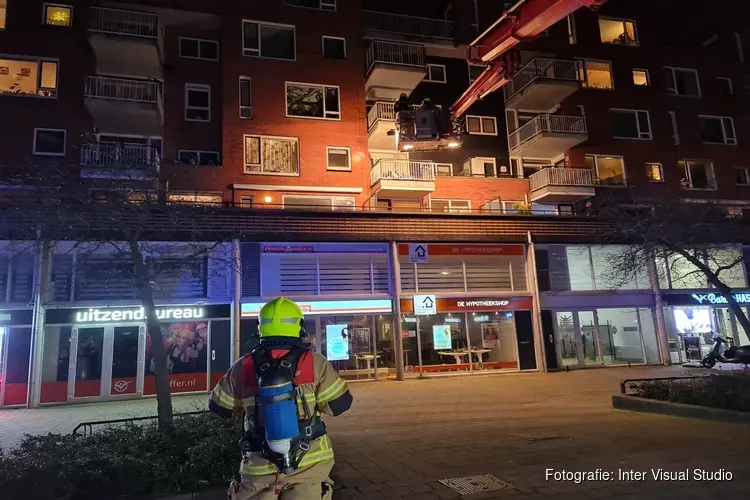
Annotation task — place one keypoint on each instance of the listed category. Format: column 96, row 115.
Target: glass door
column 85, row 378
column 568, row 341
column 592, row 342
column 127, row 360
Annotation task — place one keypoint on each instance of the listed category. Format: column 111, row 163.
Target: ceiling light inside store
column 444, row 273
column 407, row 147
column 453, row 144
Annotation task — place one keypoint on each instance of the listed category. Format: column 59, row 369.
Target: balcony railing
column 402, row 170
column 119, row 157
column 380, row 111
column 394, row 53
column 123, row 22
column 122, row 90
column 543, row 68
column 547, row 123
column 399, row 24
column 582, row 177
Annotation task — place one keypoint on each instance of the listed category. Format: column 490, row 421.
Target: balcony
column 542, row 84
column 122, row 106
column 126, row 42
column 547, row 136
column 407, row 28
column 110, row 160
column 561, row 185
column 393, row 68
column 402, row 178
column 381, row 119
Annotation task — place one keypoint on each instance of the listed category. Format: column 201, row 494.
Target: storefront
column 467, row 334
column 355, row 335
column 103, row 353
column 15, row 347
column 693, row 318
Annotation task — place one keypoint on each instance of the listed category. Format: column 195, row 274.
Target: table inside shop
column 367, row 357
column 459, row 353
column 405, row 351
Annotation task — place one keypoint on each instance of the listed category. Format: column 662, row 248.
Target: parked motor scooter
column 732, row 354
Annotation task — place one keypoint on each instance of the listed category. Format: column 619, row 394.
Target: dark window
column 313, row 4
column 717, row 130
column 268, row 40
column 199, row 49
column 334, row 48
column 627, row 124
column 210, row 158
column 725, row 86
column 246, row 108
column 682, row 82
column 742, row 176
column 49, row 142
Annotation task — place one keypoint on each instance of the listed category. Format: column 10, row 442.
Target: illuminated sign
column 288, row 249
column 714, row 298
column 441, row 337
column 368, row 306
column 337, row 342
column 110, row 314
column 482, row 303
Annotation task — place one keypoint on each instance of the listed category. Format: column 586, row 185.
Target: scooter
column 732, row 354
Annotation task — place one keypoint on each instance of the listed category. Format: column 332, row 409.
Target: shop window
column 481, row 125
column 186, row 346
column 58, row 15
column 717, row 130
column 55, row 364
column 339, row 158
column 435, row 73
column 596, row 74
column 273, row 41
column 618, row 31
column 28, row 77
column 197, row 102
column 697, row 174
column 610, row 170
column 189, row 157
column 313, row 101
column 271, row 155
column 196, row 48
column 641, row 78
column 605, row 278
column 49, row 142
column 654, row 172
column 334, row 47
column 246, row 104
column 619, row 334
column 682, row 82
column 725, row 86
column 630, row 124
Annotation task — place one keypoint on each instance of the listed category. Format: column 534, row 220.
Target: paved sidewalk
column 400, row 439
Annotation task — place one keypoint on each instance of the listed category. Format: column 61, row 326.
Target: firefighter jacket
column 324, row 391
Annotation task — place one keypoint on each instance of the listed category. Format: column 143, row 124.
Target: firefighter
column 283, row 387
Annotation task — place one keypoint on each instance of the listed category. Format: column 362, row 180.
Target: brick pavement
column 401, row 438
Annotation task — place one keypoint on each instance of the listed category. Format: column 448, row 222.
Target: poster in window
column 441, row 337
column 185, row 347
column 490, row 335
column 360, row 340
column 337, row 342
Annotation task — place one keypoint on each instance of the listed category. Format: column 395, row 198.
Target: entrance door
column 108, row 361
column 578, row 338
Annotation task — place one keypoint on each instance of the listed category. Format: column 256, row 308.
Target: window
column 313, row 4
column 196, row 48
column 339, row 158
column 195, row 198
column 197, row 103
column 271, row 155
column 246, row 107
column 717, row 130
column 682, row 82
column 725, row 85
column 481, row 125
column 28, row 77
column 572, row 36
column 742, row 176
column 246, row 201
column 334, row 47
column 444, row 169
column 435, row 73
column 313, row 101
column 675, row 132
column 58, row 15
column 610, row 170
column 618, row 31
column 273, row 41
column 483, row 167
column 640, row 77
column 597, row 74
column 190, row 157
column 49, row 142
column 654, row 172
column 451, row 206
column 3, row 12
column 474, row 71
column 630, row 124
column 697, row 174
column 319, row 202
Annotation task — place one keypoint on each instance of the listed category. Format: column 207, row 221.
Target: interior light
column 268, row 199
column 407, row 147
column 453, row 144
column 444, row 273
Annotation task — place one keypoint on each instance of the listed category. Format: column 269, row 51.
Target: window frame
column 675, row 129
column 199, row 40
column 428, row 76
column 196, row 194
column 197, row 87
column 34, row 152
column 450, row 169
column 572, row 33
column 244, row 201
column 585, row 75
column 348, row 150
column 648, row 77
column 596, row 169
column 483, row 159
column 468, row 67
column 321, row 4
column 40, row 66
column 260, row 155
column 241, row 107
column 650, row 135
column 481, row 125
column 260, row 39
column 661, row 172
column 746, row 170
column 323, row 47
column 688, row 177
column 723, row 130
column 731, row 85
column 450, row 205
column 623, row 20
column 323, row 87
column 46, row 5
column 199, row 152
column 332, row 197
column 4, row 7
column 674, row 82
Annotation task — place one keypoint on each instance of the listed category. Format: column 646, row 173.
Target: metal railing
column 87, row 428
column 103, row 87
column 123, row 22
column 542, row 67
column 562, row 124
column 632, row 383
column 380, row 111
column 394, row 53
column 116, row 156
column 405, row 170
column 583, row 177
column 407, row 25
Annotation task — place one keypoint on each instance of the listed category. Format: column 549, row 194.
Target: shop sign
column 461, row 249
column 418, row 253
column 16, row 317
column 446, row 304
column 288, row 249
column 365, row 306
column 706, row 299
column 124, row 314
column 425, row 305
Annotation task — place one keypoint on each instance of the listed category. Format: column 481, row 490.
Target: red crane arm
column 524, row 21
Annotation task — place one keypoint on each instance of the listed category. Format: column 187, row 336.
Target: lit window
column 273, row 41
column 435, row 73
column 618, row 31
column 189, row 157
column 3, row 11
column 717, row 130
column 742, row 175
column 58, row 15
column 313, row 101
column 630, row 124
column 596, row 74
column 682, row 82
column 640, row 77
column 697, row 174
column 271, row 155
column 338, row 158
column 197, row 103
column 481, row 125
column 609, row 170
column 334, row 47
column 28, row 77
column 246, row 106
column 195, row 48
column 725, row 85
column 195, row 198
column 654, row 172
column 49, row 142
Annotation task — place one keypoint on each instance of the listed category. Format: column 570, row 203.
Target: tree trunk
column 153, row 325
